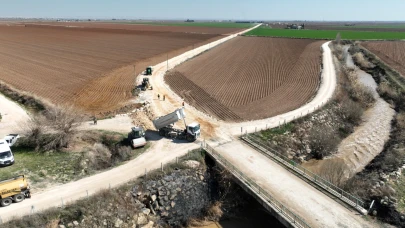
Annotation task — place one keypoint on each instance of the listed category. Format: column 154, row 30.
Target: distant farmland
column 194, row 24
column 326, row 34
column 250, row 78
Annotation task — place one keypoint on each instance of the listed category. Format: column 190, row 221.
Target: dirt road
column 162, row 151
column 318, row 209
column 13, row 116
column 311, row 204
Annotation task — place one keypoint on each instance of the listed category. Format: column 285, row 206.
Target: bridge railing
column 346, row 197
column 294, row 219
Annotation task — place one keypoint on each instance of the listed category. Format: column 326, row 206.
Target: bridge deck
column 318, row 209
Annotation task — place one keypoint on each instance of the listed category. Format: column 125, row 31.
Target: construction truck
column 165, row 126
column 149, row 70
column 137, row 137
column 145, row 84
column 14, row 190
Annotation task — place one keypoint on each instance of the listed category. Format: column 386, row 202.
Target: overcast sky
column 369, row 10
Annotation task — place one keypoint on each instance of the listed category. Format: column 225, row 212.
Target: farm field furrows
column 141, row 27
column 90, row 68
column 391, row 52
column 250, row 78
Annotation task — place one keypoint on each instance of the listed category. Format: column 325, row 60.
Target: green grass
column 270, row 133
column 41, row 167
column 397, row 26
column 196, row 24
column 326, row 34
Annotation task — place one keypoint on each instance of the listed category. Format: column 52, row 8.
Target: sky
column 319, row 10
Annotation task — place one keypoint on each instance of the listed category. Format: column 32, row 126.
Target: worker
column 158, row 96
column 183, row 103
column 95, row 120
column 164, row 97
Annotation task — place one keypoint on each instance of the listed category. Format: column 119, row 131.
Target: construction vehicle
column 6, row 156
column 137, row 137
column 14, row 190
column 149, row 70
column 145, row 84
column 165, row 126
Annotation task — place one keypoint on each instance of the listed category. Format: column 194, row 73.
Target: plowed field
column 139, row 27
column 391, row 52
column 91, row 68
column 250, row 78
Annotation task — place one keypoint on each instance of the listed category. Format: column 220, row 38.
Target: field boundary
column 281, row 209
column 300, row 171
column 394, row 75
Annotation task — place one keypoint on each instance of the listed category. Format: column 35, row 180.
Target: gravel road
column 13, row 116
column 309, row 203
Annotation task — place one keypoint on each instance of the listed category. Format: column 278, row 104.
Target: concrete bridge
column 294, row 200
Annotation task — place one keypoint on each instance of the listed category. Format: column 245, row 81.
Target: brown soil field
column 391, row 52
column 250, row 78
column 138, row 27
column 90, row 68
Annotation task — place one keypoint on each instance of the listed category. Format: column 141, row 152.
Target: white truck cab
column 194, row 130
column 6, row 156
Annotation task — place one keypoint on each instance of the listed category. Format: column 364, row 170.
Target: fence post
column 177, row 160
column 87, row 194
column 145, row 172
column 241, row 130
column 255, row 129
column 109, row 186
column 161, row 166
column 60, row 199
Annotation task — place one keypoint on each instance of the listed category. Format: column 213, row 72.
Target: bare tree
column 338, row 38
column 53, row 128
column 334, row 171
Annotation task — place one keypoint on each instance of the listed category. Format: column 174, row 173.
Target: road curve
column 161, row 151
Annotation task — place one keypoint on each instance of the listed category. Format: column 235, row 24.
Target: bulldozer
column 145, row 84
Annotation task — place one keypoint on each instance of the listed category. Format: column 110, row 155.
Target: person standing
column 183, row 103
column 158, row 96
column 164, row 97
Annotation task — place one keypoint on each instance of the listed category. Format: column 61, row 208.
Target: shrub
column 52, row 129
column 99, row 156
column 360, row 60
column 351, row 112
column 323, row 141
column 334, row 171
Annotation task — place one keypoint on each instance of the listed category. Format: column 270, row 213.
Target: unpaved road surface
column 162, row 151
column 13, row 117
column 310, row 204
column 317, row 209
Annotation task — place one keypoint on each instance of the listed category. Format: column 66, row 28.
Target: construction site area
column 87, row 107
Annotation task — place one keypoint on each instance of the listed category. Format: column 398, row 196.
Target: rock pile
column 175, row 198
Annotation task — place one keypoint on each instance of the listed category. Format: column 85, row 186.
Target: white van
column 6, row 156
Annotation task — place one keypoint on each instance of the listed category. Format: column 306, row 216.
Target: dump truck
column 149, row 70
column 165, row 126
column 14, row 190
column 137, row 137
